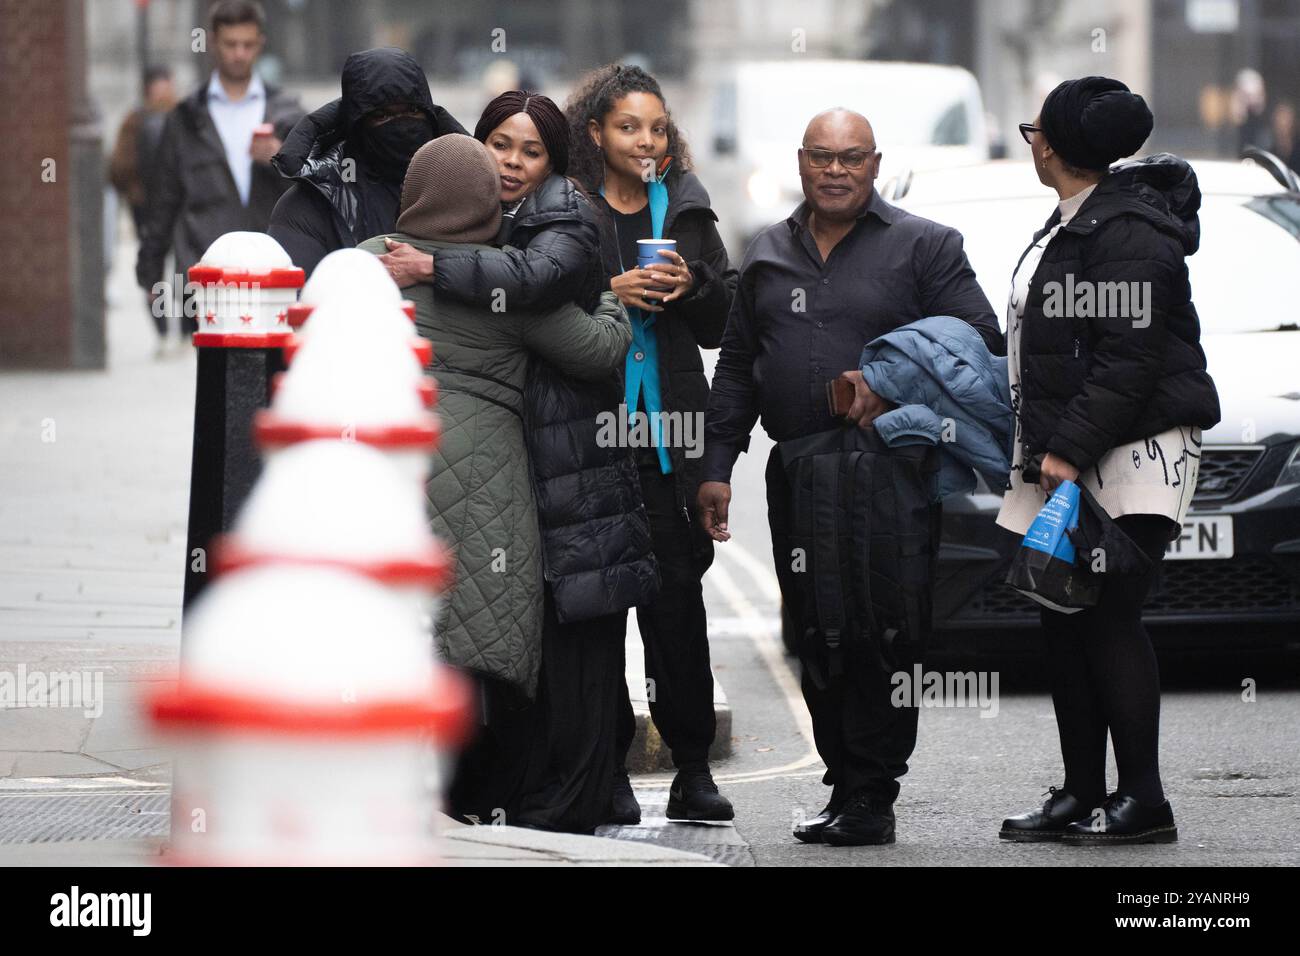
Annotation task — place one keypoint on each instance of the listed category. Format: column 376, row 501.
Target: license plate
column 1204, row 536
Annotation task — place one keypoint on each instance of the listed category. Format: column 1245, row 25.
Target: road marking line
column 761, row 632
column 757, row 570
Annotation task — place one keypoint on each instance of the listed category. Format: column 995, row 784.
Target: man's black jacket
column 193, row 198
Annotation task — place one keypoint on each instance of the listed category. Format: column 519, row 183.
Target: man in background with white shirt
column 214, row 173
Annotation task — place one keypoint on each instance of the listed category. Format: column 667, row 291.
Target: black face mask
column 389, row 147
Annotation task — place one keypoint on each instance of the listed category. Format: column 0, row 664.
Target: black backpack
column 862, row 513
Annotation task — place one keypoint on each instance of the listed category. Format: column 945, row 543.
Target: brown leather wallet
column 839, row 396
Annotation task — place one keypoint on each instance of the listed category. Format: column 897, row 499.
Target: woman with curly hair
column 628, row 154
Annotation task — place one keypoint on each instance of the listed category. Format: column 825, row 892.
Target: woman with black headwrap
column 1110, row 391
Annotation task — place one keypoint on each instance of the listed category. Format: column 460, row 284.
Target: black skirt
column 550, row 764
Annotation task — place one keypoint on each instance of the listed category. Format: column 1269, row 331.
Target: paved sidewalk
column 94, row 483
column 122, row 821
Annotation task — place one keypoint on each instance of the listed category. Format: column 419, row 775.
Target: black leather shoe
column 866, row 820
column 1046, row 824
column 624, row 810
column 694, row 796
column 1124, row 820
column 810, row 831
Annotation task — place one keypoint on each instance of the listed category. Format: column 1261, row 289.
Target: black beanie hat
column 1094, row 121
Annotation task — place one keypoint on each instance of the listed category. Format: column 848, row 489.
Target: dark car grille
column 1223, row 471
column 1244, row 584
column 1185, row 589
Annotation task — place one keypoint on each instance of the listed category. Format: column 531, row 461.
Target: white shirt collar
column 256, row 89
column 1071, row 206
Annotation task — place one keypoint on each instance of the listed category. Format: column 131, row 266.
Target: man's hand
column 406, row 264
column 713, row 500
column 867, row 405
column 264, row 147
column 1055, row 470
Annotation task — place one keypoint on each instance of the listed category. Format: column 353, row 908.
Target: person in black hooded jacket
column 629, row 155
column 348, row 158
column 1110, row 391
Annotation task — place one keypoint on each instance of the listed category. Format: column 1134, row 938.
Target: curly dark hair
column 593, row 99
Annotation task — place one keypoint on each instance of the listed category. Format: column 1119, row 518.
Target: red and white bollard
column 342, row 505
column 353, row 383
column 343, row 315
column 247, row 284
column 347, row 274
column 307, row 702
column 309, row 693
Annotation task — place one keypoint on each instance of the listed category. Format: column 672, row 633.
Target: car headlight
column 763, row 188
column 1291, row 470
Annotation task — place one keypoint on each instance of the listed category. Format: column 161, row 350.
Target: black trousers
column 138, row 217
column 1105, row 678
column 674, row 629
column 864, row 740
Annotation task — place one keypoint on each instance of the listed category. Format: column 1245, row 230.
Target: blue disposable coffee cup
column 648, row 255
column 647, row 250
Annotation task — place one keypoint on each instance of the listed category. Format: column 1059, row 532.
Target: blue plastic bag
column 1044, row 568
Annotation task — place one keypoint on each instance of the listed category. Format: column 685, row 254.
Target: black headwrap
column 1094, row 121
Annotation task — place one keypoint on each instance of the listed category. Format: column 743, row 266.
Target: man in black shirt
column 845, row 268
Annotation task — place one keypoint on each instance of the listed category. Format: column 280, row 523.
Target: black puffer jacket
column 325, row 210
column 596, row 549
column 691, row 323
column 1089, row 384
column 554, row 256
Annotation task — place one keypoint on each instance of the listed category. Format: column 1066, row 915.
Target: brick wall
column 51, row 286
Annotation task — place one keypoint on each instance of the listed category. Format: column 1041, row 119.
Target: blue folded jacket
column 951, row 392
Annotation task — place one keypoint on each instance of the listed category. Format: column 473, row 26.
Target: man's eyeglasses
column 1027, row 130
column 849, row 158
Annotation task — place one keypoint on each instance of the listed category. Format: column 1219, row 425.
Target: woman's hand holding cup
column 632, row 286
column 669, row 270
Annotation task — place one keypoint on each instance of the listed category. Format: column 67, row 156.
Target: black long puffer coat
column 596, row 550
column 1089, row 384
